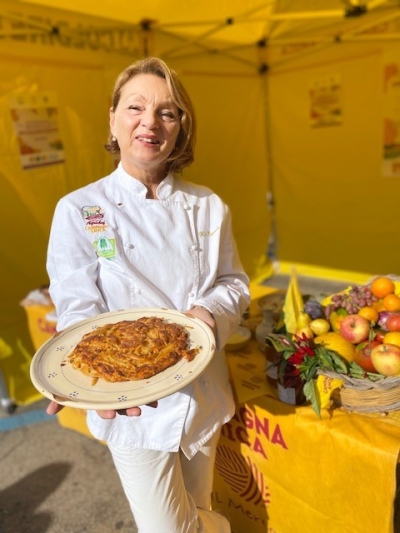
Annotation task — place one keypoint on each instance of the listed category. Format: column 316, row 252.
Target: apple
column 355, row 328
column 320, row 326
column 336, row 318
column 362, row 354
column 379, row 335
column 386, row 359
column 393, row 322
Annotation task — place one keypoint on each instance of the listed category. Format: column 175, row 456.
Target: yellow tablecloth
column 281, row 469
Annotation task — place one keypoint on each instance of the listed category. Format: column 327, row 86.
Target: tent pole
column 308, row 15
column 376, row 37
column 272, row 247
column 376, row 22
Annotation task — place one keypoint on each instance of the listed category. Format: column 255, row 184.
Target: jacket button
column 186, row 206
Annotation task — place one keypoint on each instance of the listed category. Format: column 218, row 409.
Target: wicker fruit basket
column 366, row 396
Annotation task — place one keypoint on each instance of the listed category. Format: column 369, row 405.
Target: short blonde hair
column 183, row 155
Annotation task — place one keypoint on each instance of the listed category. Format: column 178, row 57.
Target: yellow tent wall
column 334, row 207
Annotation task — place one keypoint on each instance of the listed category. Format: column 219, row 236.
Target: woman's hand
column 54, row 408
column 131, row 411
column 204, row 315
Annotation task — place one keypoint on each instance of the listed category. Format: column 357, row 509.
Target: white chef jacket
column 111, row 248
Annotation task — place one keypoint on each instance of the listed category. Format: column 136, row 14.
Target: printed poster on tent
column 35, row 121
column 325, row 101
column 391, row 118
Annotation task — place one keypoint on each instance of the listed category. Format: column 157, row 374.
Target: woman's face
column 146, row 124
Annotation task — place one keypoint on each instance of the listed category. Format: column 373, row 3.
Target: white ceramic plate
column 56, row 379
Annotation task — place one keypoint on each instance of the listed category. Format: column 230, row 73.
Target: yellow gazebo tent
column 297, row 104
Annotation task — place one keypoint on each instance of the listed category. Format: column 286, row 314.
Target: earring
column 113, row 139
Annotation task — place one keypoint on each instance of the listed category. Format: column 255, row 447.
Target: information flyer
column 35, row 121
column 391, row 118
column 325, row 101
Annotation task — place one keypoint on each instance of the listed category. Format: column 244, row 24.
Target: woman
column 170, row 245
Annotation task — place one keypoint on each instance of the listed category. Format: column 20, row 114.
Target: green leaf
column 308, row 368
column 356, row 371
column 325, row 359
column 310, row 392
column 280, row 346
column 339, row 364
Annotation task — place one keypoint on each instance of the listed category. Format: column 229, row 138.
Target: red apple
column 362, row 355
column 393, row 322
column 379, row 335
column 386, row 359
column 355, row 328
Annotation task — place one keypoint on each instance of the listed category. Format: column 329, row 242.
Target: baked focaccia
column 132, row 349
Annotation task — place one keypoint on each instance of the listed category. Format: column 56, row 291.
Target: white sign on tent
column 35, row 121
column 391, row 118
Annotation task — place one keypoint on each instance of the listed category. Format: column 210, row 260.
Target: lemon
column 320, row 326
column 334, row 341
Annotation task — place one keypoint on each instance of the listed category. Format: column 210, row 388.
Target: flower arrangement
column 301, row 359
column 350, row 340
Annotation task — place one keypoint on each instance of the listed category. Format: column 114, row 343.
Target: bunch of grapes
column 356, row 298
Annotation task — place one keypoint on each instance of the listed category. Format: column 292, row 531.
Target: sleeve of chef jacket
column 229, row 297
column 72, row 268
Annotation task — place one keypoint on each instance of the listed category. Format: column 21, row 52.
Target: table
column 281, row 469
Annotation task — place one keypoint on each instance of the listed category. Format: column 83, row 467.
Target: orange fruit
column 393, row 337
column 370, row 313
column 378, row 305
column 391, row 302
column 382, row 286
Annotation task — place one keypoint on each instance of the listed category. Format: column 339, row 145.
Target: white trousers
column 167, row 492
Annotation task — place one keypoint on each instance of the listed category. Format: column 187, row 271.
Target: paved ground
column 55, row 480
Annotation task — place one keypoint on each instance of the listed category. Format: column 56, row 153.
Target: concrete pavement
column 55, row 480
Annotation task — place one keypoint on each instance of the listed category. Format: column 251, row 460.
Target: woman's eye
column 134, row 107
column 168, row 116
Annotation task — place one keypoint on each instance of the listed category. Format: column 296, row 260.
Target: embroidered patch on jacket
column 105, row 247
column 94, row 218
column 208, row 233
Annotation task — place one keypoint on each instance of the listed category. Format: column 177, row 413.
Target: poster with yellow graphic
column 391, row 118
column 35, row 121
